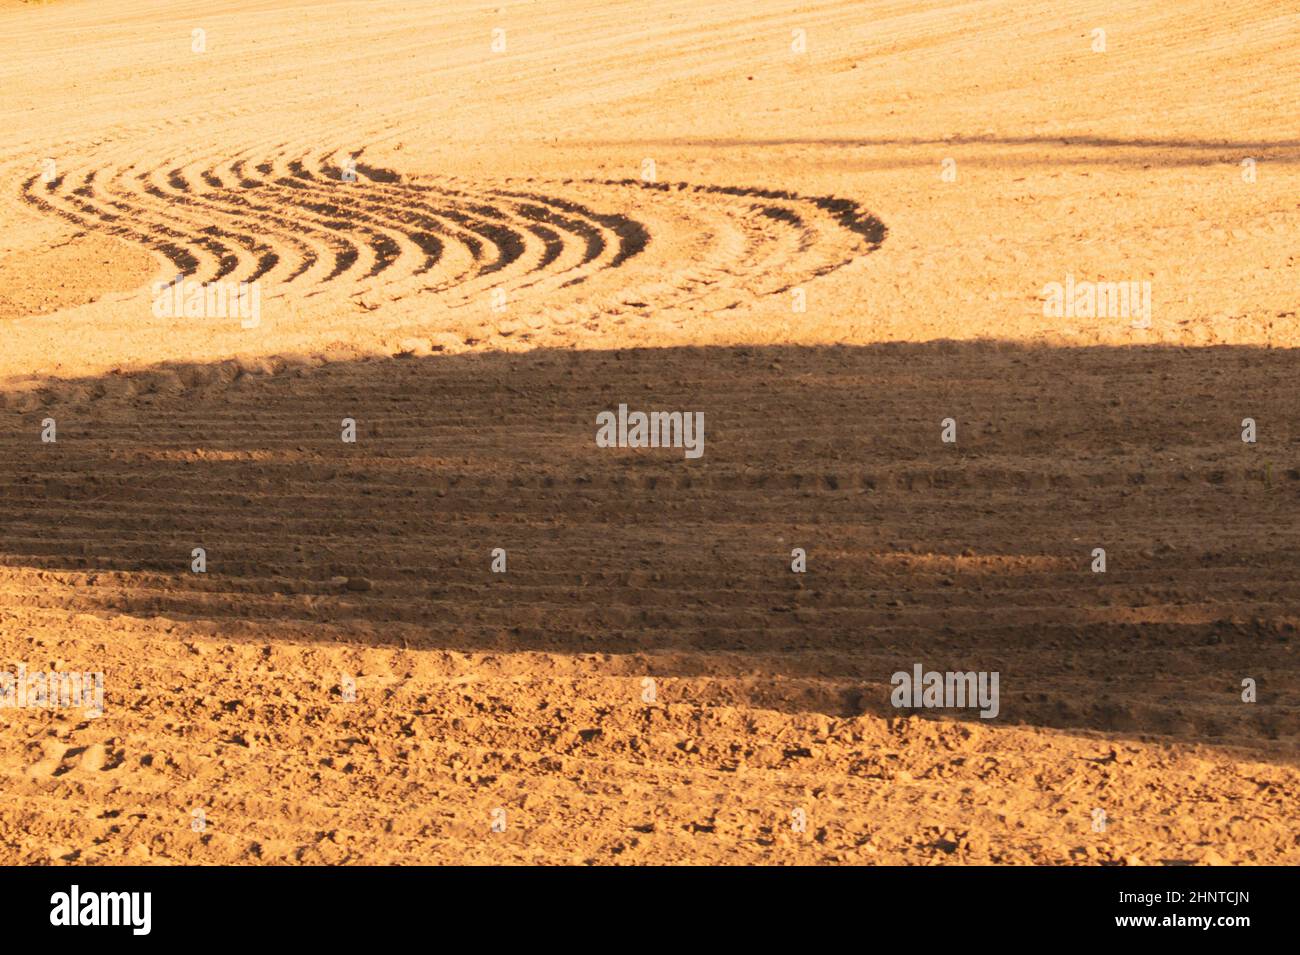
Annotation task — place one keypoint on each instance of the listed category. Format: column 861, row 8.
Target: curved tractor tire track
column 306, row 227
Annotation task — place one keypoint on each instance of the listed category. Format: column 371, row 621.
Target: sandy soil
column 844, row 241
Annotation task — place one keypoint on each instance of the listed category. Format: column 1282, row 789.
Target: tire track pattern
column 336, row 224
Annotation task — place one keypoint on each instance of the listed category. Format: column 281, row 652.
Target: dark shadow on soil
column 973, row 555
